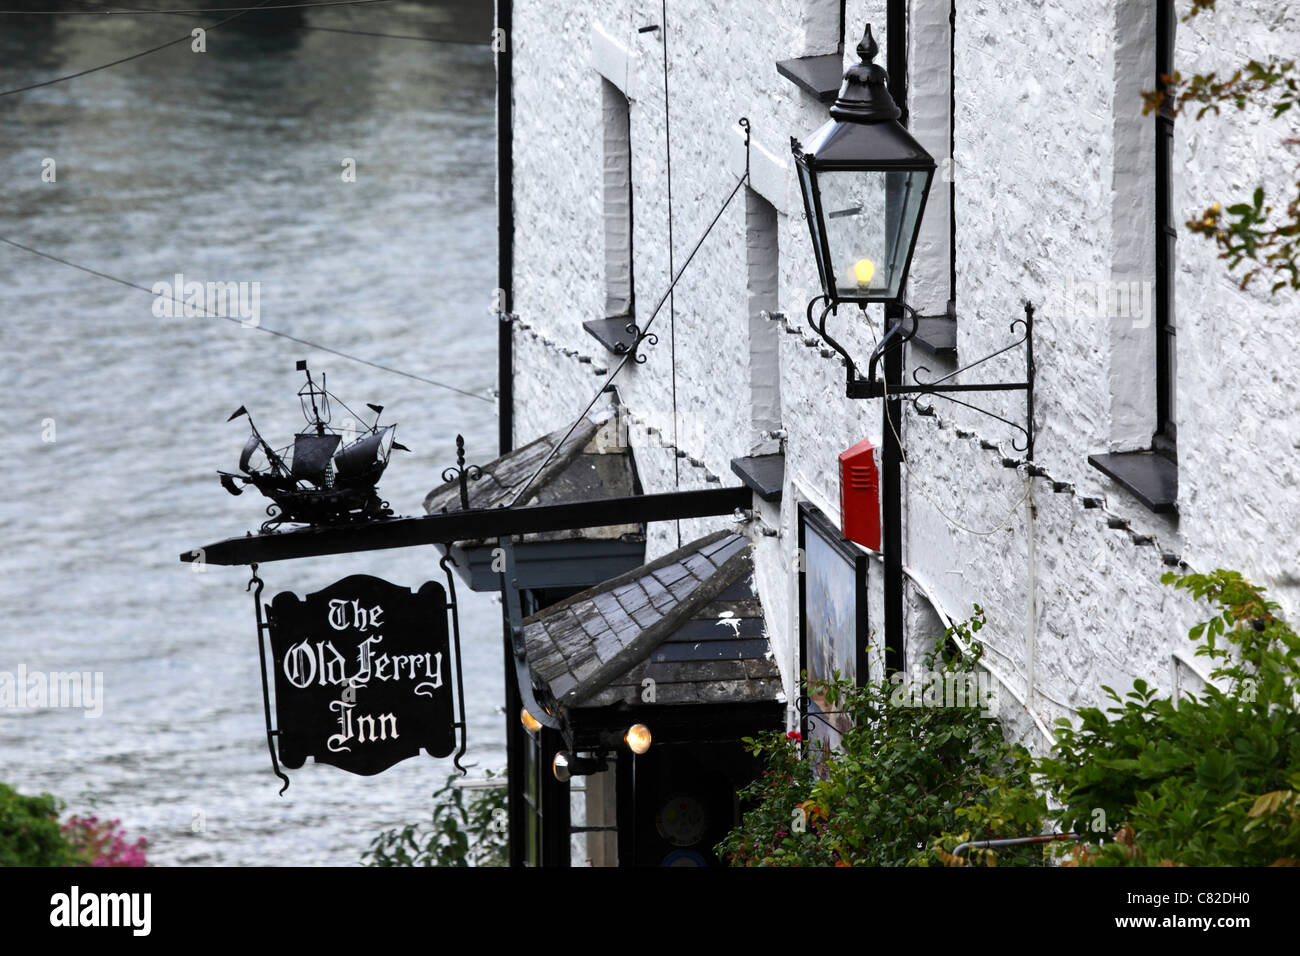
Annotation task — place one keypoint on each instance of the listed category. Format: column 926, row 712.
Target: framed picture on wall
column 833, row 621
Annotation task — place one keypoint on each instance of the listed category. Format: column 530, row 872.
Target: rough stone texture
column 1052, row 188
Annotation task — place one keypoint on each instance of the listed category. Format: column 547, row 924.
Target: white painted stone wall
column 1053, row 188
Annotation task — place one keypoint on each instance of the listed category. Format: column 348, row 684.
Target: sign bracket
column 262, row 628
column 462, row 722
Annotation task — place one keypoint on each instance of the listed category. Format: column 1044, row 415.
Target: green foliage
column 463, row 832
column 1211, row 781
column 903, row 776
column 29, row 831
column 1251, row 232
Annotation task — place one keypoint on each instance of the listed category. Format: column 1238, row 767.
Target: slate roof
column 690, row 621
column 590, row 463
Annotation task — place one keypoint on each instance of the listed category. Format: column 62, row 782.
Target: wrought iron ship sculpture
column 326, row 476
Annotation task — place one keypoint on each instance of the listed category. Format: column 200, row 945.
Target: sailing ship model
column 326, row 476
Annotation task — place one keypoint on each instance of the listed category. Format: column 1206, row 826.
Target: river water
column 226, row 166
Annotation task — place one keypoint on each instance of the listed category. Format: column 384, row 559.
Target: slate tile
column 670, row 573
column 646, row 618
column 684, row 588
column 608, row 646
column 631, row 597
column 587, row 668
column 562, row 684
column 699, row 566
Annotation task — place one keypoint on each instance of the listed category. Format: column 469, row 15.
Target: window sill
column 762, row 474
column 612, row 333
column 820, row 76
column 1150, row 477
column 937, row 334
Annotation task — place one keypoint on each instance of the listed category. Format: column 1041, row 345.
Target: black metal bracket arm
column 899, row 334
column 514, row 616
column 255, row 585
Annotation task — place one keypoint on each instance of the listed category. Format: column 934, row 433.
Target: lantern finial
column 867, row 48
column 865, row 97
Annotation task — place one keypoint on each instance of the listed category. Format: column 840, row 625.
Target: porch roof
column 690, row 622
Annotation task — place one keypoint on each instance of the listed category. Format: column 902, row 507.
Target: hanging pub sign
column 364, row 675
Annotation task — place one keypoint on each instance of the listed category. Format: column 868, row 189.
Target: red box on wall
column 860, row 495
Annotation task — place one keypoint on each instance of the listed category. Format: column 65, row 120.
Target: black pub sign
column 363, row 674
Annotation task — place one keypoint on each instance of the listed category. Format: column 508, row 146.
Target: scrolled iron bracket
column 459, row 472
column 902, row 332
column 638, row 336
column 462, row 724
column 262, row 628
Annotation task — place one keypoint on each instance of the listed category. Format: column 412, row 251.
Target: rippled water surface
column 226, row 166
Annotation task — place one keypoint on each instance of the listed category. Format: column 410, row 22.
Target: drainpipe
column 1031, row 611
column 891, row 494
column 503, row 40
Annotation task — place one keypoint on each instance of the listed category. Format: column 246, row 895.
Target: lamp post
column 864, row 181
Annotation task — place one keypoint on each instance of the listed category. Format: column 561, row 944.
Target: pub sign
column 363, row 674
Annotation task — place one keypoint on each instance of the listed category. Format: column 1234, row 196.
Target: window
column 762, row 261
column 616, row 188
column 1166, row 238
column 1143, row 373
column 617, row 170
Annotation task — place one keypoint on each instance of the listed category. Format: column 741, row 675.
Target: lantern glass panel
column 870, row 221
column 810, row 207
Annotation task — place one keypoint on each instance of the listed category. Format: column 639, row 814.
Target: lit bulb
column 637, row 738
column 531, row 723
column 863, row 272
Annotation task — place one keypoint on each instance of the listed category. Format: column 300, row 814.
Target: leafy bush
column 903, row 775
column 29, row 831
column 462, row 832
column 1213, row 781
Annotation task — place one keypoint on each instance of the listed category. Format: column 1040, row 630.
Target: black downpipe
column 515, row 735
column 504, row 38
column 891, row 453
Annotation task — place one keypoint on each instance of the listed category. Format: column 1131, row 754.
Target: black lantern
column 864, row 181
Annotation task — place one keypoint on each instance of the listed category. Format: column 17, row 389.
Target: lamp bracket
column 900, row 333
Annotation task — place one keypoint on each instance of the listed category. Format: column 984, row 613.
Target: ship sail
column 311, row 456
column 254, row 442
column 364, row 456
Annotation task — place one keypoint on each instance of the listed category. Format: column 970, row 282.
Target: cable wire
column 154, row 10
column 142, row 53
column 261, row 328
column 632, row 349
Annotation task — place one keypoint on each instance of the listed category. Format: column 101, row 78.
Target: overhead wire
column 276, row 332
column 142, row 53
column 633, row 348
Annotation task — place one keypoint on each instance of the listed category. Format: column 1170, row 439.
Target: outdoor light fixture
column 637, row 738
column 864, row 181
column 566, row 766
column 560, row 766
column 531, row 723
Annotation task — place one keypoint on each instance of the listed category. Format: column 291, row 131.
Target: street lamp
column 864, row 181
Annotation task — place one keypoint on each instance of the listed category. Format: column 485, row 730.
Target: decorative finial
column 867, row 48
column 864, row 97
